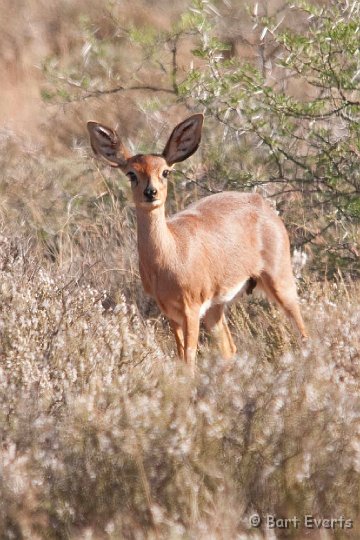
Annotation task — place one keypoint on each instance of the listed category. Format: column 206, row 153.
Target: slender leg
column 215, row 323
column 229, row 336
column 286, row 297
column 179, row 337
column 191, row 336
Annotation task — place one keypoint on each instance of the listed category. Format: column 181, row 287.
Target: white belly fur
column 229, row 295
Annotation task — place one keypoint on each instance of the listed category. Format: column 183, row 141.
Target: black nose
column 150, row 193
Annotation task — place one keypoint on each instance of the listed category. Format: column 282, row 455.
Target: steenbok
column 200, row 259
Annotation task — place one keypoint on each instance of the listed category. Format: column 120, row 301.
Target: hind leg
column 215, row 322
column 283, row 292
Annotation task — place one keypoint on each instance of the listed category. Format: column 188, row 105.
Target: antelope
column 200, row 259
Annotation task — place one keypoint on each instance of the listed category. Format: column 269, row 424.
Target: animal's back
column 215, row 213
column 231, row 231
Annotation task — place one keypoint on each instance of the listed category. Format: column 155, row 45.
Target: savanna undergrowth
column 105, row 436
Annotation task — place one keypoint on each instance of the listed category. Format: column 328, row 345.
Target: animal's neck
column 155, row 242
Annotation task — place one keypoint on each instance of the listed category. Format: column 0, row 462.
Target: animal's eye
column 132, row 176
column 166, row 173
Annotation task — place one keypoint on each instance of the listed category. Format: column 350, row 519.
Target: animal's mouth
column 150, row 204
column 153, row 202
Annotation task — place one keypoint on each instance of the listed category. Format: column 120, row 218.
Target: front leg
column 191, row 336
column 179, row 337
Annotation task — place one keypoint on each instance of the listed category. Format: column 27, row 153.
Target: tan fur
column 198, row 258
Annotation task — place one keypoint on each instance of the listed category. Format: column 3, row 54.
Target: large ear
column 106, row 144
column 184, row 140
